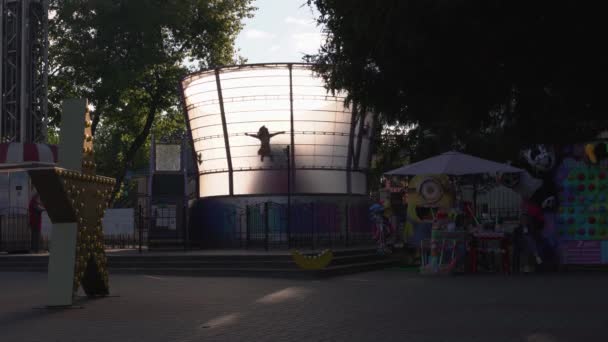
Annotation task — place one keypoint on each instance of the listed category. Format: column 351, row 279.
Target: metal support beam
column 23, row 79
column 1, row 70
column 191, row 142
column 357, row 156
column 349, row 152
column 225, row 129
column 45, row 69
column 371, row 147
column 9, row 63
column 292, row 165
column 23, row 70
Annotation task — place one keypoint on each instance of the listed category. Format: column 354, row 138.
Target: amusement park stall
column 444, row 225
column 564, row 202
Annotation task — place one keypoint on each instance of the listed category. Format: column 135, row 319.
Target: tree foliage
column 481, row 76
column 127, row 58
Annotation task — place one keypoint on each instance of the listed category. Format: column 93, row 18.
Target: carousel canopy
column 24, row 156
column 12, row 153
column 453, row 164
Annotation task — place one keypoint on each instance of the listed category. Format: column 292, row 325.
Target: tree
column 484, row 76
column 127, row 58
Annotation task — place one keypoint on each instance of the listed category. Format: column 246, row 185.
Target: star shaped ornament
column 76, row 199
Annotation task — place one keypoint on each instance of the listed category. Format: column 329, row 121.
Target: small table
column 483, row 239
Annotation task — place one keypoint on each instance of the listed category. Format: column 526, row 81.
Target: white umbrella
column 453, row 164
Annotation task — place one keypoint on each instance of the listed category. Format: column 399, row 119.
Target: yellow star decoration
column 81, row 197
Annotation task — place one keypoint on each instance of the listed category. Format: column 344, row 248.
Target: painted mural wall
column 581, row 220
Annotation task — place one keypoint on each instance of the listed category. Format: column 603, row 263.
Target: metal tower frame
column 23, row 70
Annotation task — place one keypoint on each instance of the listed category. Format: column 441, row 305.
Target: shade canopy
column 453, row 164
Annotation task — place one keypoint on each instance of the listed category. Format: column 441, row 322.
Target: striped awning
column 14, row 153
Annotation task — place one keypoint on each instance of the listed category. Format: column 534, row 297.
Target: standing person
column 525, row 239
column 35, row 215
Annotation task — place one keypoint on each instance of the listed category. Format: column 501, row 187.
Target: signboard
column 119, row 221
column 168, row 157
column 165, row 216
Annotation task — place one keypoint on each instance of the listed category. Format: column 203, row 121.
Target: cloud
column 308, row 42
column 274, row 48
column 299, row 21
column 259, row 34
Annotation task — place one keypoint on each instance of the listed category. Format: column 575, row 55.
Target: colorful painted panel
column 582, row 219
column 582, row 252
column 583, row 211
column 604, row 252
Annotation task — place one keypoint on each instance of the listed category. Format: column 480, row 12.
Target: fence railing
column 266, row 225
column 271, row 225
column 15, row 232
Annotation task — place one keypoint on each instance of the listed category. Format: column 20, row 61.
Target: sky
column 280, row 31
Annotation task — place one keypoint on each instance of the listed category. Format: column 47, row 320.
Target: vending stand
column 443, row 224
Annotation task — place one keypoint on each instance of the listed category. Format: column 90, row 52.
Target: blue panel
column 604, row 252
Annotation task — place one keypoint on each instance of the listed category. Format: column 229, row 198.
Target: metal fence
column 120, row 241
column 15, row 232
column 492, row 214
column 266, row 225
column 271, row 225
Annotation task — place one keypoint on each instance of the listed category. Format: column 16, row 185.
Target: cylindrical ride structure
column 243, row 119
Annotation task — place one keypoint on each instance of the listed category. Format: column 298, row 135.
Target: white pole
column 441, row 254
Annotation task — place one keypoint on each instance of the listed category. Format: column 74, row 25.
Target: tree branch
column 139, row 140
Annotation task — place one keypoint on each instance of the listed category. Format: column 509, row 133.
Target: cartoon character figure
column 541, row 157
column 264, row 136
column 539, row 191
column 426, row 195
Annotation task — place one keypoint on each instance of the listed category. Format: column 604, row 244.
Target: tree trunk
column 135, row 146
column 96, row 119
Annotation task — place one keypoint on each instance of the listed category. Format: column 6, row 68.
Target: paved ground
column 391, row 305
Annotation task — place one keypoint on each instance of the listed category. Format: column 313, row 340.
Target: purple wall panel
column 581, row 252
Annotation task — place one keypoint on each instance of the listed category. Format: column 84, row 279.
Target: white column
column 63, row 237
column 61, row 264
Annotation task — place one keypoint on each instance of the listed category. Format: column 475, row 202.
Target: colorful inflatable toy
column 316, row 262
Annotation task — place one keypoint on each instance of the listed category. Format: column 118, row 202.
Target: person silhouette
column 35, row 210
column 264, row 136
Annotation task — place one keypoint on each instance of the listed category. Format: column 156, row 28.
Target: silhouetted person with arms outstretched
column 264, row 136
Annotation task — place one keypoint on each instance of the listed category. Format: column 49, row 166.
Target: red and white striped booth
column 16, row 153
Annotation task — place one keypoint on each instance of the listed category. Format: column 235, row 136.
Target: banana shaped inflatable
column 590, row 151
column 315, row 262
